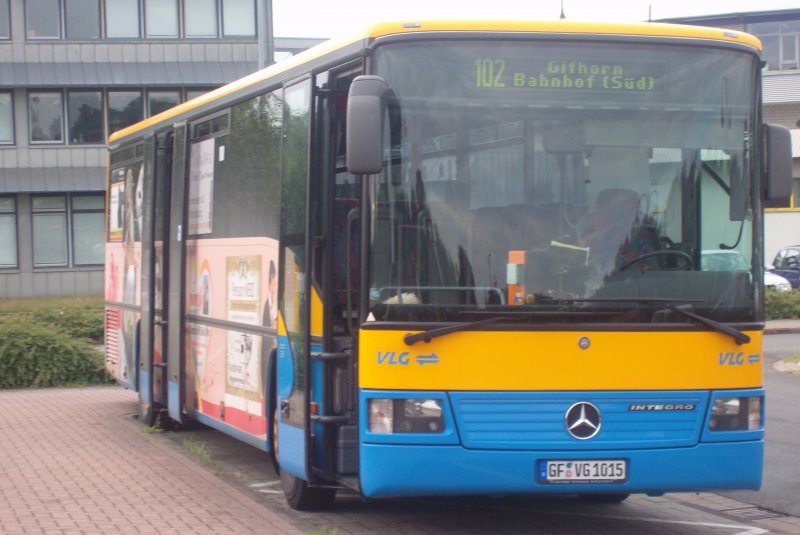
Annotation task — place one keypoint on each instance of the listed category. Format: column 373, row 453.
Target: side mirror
column 778, row 176
column 366, row 109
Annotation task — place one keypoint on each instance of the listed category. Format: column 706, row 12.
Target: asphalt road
column 782, row 458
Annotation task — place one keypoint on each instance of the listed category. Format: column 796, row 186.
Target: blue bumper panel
column 406, row 470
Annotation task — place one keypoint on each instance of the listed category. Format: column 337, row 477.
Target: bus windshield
column 562, row 182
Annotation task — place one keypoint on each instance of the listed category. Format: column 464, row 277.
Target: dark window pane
column 124, row 109
column 158, row 101
column 83, row 19
column 43, row 19
column 85, row 113
column 45, row 113
column 201, row 18
column 161, row 18
column 238, row 18
column 122, row 19
column 6, row 118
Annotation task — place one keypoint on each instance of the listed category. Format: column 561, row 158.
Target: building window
column 124, row 109
column 8, row 232
column 200, row 18
column 194, row 93
column 5, row 20
column 87, row 229
column 161, row 18
column 158, row 101
column 6, row 118
column 46, row 111
column 781, row 42
column 43, row 19
column 82, row 19
column 238, row 18
column 122, row 19
column 85, row 116
column 49, row 231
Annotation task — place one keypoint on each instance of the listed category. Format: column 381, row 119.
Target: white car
column 773, row 280
column 729, row 260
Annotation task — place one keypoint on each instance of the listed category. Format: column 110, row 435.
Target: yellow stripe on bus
column 556, row 361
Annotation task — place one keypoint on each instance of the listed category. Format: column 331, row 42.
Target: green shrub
column 77, row 322
column 34, row 354
column 782, row 305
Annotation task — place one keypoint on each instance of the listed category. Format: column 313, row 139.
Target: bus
column 459, row 258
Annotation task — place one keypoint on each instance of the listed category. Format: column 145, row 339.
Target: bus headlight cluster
column 405, row 416
column 736, row 414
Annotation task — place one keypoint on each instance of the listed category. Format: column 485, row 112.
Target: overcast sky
column 337, row 18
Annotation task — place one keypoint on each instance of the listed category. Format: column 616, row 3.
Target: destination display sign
column 567, row 74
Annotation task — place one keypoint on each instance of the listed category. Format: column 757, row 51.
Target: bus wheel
column 301, row 497
column 604, row 498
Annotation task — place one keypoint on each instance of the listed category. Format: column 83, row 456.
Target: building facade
column 74, row 71
column 779, row 32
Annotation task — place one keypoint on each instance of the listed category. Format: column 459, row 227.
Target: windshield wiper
column 669, row 303
column 427, row 336
column 736, row 334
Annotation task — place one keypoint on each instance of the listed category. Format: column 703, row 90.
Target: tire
column 301, row 497
column 607, row 499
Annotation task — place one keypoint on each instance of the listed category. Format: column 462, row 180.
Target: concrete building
column 74, row 71
column 779, row 32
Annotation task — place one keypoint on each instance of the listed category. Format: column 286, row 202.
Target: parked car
column 730, row 260
column 787, row 264
column 773, row 280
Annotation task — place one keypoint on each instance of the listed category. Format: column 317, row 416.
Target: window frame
column 103, row 133
column 60, row 36
column 780, row 35
column 144, row 10
column 142, row 95
column 12, row 117
column 6, row 32
column 234, row 36
column 13, row 214
column 71, row 227
column 100, row 4
column 47, row 212
column 217, row 17
column 139, row 23
column 58, row 92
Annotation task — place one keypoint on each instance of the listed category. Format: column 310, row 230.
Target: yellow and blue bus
column 451, row 258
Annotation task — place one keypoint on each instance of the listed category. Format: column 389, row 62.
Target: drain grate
column 751, row 513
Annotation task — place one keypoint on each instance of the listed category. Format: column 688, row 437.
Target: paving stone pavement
column 116, row 479
column 76, row 461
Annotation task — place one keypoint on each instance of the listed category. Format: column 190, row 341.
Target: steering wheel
column 689, row 263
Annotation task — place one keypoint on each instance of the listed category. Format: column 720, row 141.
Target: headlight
column 735, row 414
column 405, row 416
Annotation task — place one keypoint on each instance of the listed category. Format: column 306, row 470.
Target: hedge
column 40, row 354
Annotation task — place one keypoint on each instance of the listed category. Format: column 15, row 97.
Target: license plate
column 583, row 471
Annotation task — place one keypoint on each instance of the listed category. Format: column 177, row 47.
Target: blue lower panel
column 400, row 470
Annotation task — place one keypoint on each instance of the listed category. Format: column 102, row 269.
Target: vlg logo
column 738, row 359
column 392, row 358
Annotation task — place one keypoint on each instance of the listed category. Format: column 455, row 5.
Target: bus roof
column 563, row 26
